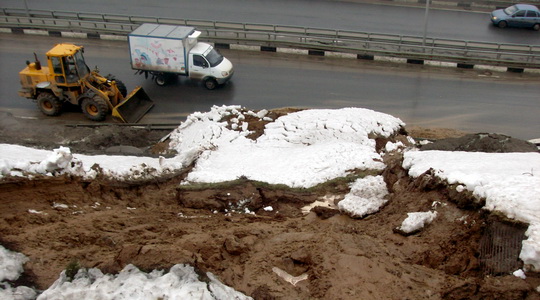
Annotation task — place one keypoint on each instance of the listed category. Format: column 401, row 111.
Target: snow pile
column 181, row 282
column 509, row 182
column 62, row 161
column 366, row 197
column 11, row 267
column 11, row 264
column 416, row 221
column 301, row 149
column 519, row 273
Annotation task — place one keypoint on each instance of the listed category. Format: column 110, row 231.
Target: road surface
column 470, row 100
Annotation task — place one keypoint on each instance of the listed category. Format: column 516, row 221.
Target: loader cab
column 67, row 65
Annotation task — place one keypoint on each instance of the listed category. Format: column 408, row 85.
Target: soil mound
column 482, row 142
column 252, row 237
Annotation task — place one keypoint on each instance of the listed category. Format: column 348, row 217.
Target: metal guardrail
column 315, row 39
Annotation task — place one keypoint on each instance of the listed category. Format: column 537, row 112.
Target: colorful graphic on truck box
column 155, row 54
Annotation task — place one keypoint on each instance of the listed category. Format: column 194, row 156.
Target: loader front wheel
column 49, row 104
column 119, row 84
column 122, row 88
column 95, row 108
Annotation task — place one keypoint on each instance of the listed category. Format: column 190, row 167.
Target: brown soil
column 158, row 224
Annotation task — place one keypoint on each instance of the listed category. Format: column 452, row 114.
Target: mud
column 227, row 229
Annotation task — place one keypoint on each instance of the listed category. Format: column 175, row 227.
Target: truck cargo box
column 161, row 48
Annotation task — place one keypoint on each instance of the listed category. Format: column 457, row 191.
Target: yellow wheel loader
column 67, row 78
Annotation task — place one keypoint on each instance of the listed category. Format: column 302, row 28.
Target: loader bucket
column 134, row 106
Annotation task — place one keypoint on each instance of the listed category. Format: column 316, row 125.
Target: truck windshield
column 214, row 57
column 81, row 65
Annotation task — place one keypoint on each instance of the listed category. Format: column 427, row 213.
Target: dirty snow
column 365, row 197
column 509, row 182
column 11, row 264
column 181, row 282
column 322, row 143
column 301, row 149
column 416, row 221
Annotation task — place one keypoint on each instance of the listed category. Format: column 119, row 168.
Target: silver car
column 518, row 15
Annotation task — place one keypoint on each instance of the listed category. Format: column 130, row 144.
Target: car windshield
column 510, row 10
column 214, row 57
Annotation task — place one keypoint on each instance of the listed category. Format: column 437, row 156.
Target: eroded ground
column 63, row 221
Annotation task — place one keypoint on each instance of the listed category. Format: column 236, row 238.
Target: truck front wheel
column 210, row 83
column 94, row 108
column 49, row 104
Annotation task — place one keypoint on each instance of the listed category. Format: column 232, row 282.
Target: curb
column 282, row 50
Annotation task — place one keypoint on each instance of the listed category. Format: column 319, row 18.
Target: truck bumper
column 225, row 79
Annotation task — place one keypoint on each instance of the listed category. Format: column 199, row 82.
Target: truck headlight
column 224, row 73
column 494, row 18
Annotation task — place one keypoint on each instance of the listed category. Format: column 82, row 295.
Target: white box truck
column 167, row 51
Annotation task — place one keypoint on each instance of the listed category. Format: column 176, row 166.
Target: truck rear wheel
column 210, row 83
column 95, row 108
column 161, row 80
column 49, row 104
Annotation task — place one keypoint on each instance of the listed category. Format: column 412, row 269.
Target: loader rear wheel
column 49, row 104
column 95, row 108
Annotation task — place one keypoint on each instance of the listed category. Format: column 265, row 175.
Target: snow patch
column 181, row 282
column 366, row 197
column 416, row 221
column 11, row 264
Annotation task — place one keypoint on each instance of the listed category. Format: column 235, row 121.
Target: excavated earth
column 158, row 223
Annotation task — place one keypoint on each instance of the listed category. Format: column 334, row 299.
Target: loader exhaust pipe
column 37, row 63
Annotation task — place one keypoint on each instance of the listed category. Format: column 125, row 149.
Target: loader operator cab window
column 71, row 70
column 199, row 61
column 57, row 69
column 81, row 65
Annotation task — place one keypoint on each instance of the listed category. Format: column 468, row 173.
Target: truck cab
column 208, row 65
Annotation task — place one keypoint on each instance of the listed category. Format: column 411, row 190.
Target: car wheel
column 536, row 27
column 502, row 24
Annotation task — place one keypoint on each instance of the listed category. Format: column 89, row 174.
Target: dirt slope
column 158, row 224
